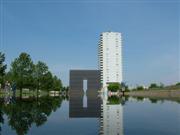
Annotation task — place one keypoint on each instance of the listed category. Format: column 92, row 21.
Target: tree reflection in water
column 22, row 113
column 1, row 120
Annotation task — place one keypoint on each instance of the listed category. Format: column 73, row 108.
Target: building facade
column 110, row 57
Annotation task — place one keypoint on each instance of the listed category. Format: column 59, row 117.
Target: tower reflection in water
column 109, row 110
column 111, row 116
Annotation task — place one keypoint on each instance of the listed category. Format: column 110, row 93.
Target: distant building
column 110, row 57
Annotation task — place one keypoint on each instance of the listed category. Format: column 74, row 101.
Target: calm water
column 60, row 116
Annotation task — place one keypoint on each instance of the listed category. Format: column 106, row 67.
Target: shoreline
column 26, row 94
column 168, row 94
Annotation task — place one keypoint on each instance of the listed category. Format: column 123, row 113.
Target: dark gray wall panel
column 76, row 108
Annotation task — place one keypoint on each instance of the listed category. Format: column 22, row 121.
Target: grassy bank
column 155, row 93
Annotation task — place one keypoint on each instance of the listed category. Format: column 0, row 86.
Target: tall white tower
column 110, row 57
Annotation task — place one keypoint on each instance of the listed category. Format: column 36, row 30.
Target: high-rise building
column 110, row 57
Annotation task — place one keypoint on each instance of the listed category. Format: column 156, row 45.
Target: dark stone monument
column 76, row 108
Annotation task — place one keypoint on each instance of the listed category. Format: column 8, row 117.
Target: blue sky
column 65, row 35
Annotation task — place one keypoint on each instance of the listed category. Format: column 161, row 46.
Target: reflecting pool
column 107, row 116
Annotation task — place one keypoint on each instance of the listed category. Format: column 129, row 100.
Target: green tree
column 47, row 84
column 32, row 76
column 161, row 85
column 2, row 67
column 44, row 80
column 65, row 89
column 140, row 88
column 124, row 86
column 21, row 71
column 40, row 70
column 114, row 87
column 57, row 84
column 153, row 85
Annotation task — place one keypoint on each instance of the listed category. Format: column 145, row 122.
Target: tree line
column 27, row 74
column 115, row 87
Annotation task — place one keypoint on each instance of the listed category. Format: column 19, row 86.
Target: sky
column 65, row 34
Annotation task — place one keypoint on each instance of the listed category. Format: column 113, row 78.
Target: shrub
column 113, row 100
column 114, row 87
column 140, row 88
column 153, row 85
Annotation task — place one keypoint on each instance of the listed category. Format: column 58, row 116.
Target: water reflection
column 76, row 108
column 1, row 120
column 23, row 113
column 113, row 115
column 153, row 100
column 109, row 110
